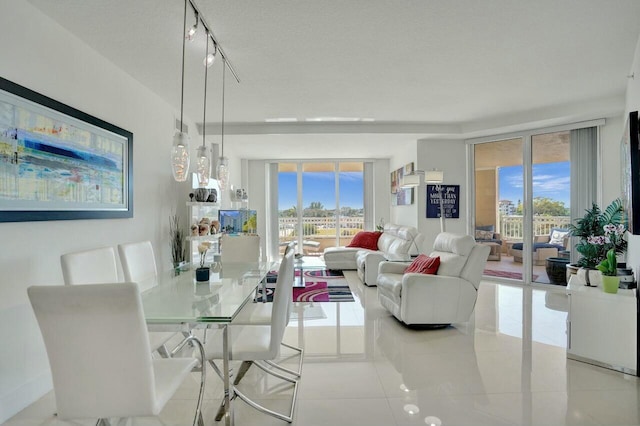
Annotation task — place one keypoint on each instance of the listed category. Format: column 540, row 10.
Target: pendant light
column 223, row 162
column 204, row 166
column 180, row 151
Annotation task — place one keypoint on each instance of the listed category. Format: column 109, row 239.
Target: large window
column 320, row 204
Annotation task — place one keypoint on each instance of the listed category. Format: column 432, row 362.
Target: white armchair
column 441, row 299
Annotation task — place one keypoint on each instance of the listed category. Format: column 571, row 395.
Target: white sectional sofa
column 395, row 243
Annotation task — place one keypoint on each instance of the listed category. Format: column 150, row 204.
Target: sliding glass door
column 524, row 187
column 320, row 204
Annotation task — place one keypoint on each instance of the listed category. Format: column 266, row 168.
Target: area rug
column 505, row 274
column 321, row 286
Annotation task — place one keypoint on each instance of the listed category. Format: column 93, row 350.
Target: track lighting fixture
column 191, row 34
column 180, row 158
column 211, row 57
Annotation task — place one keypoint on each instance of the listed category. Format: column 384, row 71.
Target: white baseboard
column 18, row 399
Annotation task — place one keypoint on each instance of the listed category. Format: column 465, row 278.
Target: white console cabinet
column 602, row 327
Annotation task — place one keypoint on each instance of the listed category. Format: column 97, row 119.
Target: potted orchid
column 202, row 273
column 599, row 231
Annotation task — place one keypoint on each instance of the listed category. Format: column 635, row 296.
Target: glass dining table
column 180, row 303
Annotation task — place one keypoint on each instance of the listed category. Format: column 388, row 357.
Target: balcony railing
column 511, row 226
column 319, row 232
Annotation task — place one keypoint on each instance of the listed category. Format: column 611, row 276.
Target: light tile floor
column 362, row 367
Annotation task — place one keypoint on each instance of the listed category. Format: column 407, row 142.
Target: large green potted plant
column 599, row 231
column 609, row 268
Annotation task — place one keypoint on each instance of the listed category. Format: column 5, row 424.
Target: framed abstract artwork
column 59, row 163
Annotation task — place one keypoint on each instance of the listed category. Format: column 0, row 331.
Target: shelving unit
column 197, row 211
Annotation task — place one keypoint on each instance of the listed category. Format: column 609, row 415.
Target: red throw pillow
column 365, row 239
column 424, row 264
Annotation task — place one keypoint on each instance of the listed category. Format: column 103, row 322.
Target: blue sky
column 550, row 180
column 320, row 186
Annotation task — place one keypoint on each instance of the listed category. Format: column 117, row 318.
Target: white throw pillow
column 557, row 237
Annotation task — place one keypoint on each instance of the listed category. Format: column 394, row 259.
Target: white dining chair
column 240, row 248
column 80, row 325
column 93, row 266
column 260, row 314
column 255, row 343
column 139, row 266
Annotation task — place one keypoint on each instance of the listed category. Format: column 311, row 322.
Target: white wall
column 450, row 157
column 40, row 55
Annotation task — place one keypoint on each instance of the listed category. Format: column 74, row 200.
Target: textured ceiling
column 455, row 63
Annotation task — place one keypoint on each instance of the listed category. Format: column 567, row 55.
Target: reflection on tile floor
column 362, row 367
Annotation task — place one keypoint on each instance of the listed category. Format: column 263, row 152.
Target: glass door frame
column 527, row 167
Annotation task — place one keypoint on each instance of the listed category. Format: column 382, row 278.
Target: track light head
column 211, row 57
column 191, row 34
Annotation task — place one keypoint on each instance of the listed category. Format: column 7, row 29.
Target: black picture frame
column 59, row 163
column 451, row 201
column 630, row 169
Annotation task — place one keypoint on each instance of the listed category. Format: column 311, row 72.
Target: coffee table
column 306, row 263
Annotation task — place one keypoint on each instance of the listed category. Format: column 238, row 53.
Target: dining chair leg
column 164, row 353
column 286, row 417
column 242, row 370
column 298, row 373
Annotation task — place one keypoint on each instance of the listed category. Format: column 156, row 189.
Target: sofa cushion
column 366, row 240
column 557, row 236
column 424, row 264
column 483, row 235
column 454, row 243
column 518, row 246
column 392, row 283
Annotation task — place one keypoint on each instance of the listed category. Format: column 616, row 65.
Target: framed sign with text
column 450, row 201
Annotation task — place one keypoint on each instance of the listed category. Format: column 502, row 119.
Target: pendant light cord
column 204, row 109
column 224, row 67
column 184, row 40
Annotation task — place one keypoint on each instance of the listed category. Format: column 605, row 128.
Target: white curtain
column 584, row 176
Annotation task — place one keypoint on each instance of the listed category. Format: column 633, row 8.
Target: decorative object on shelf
column 380, row 225
column 599, row 231
column 180, row 151
column 202, row 273
column 609, row 269
column 194, row 230
column 191, row 195
column 223, row 162
column 213, row 196
column 177, row 242
column 204, row 226
column 215, row 226
column 202, row 194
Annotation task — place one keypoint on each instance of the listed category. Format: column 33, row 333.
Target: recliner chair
column 442, row 299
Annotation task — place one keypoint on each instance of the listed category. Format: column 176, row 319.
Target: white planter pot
column 591, row 277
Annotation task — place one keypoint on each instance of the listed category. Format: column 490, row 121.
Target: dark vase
column 556, row 268
column 202, row 274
